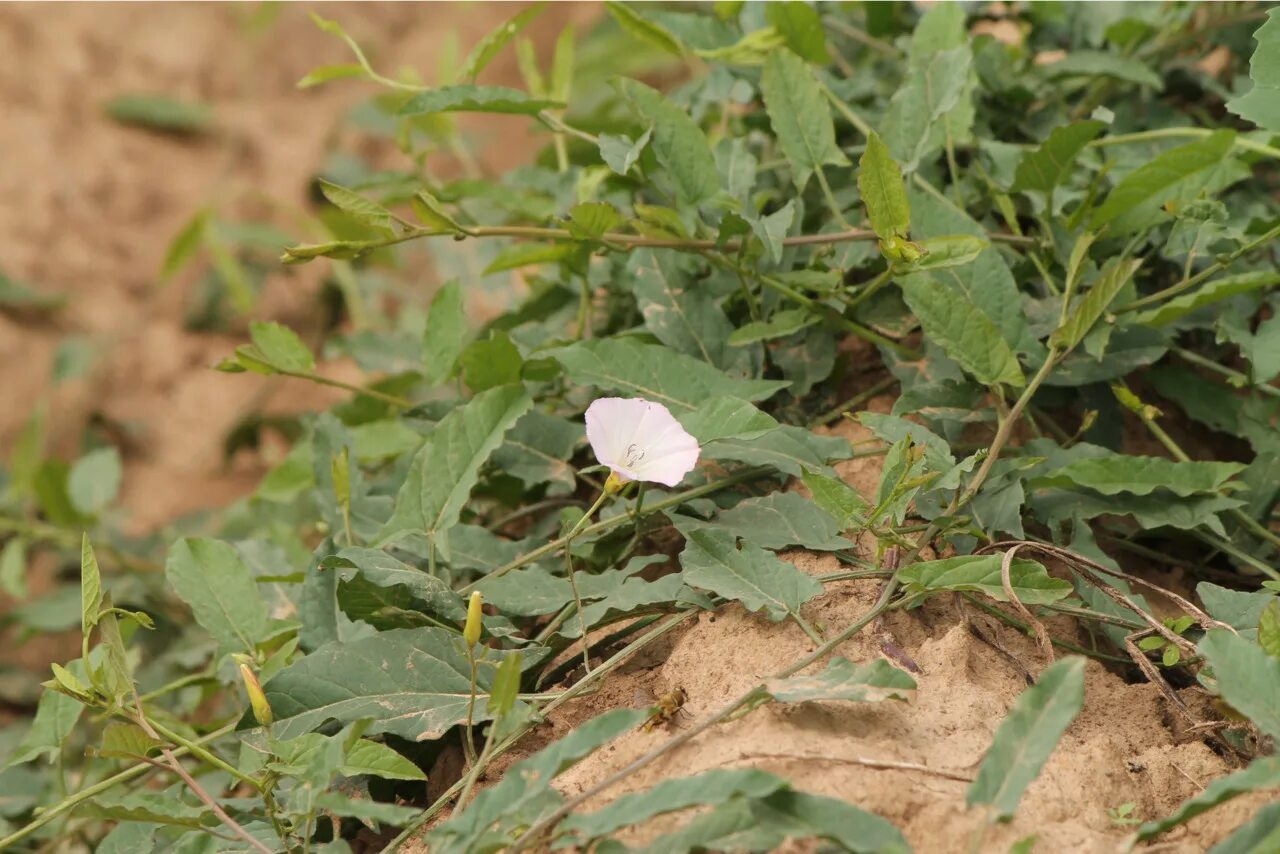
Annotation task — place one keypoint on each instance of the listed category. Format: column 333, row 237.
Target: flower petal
column 611, row 424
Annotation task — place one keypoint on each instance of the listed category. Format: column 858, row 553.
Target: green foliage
column 1026, row 738
column 1037, row 258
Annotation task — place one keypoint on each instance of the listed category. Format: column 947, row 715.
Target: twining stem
column 1175, row 133
column 1188, row 283
column 623, row 518
column 66, row 804
column 195, row 748
column 1233, row 375
column 575, row 690
column 1251, row 524
column 755, row 694
column 573, row 578
column 391, row 399
column 620, row 240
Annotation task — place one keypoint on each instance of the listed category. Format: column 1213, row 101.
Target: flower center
column 633, row 455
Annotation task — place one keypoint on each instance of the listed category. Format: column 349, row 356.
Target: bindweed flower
column 639, row 440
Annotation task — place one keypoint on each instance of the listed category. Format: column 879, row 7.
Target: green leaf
column 1097, row 63
column 1091, row 306
column 431, row 213
column 632, row 597
column 840, row 500
column 185, row 244
column 281, row 347
column 358, row 207
column 750, row 575
column 446, row 333
column 55, row 719
column 538, row 449
column 709, row 788
column 966, row 334
column 800, row 26
column 475, row 99
column 1049, row 164
column 1137, row 475
column 941, row 253
column 1179, row 174
column 126, row 741
column 592, row 220
column 1262, row 773
column 799, row 115
column 14, row 294
column 524, row 794
column 678, row 143
column 114, row 679
column 13, row 568
column 90, row 587
column 779, row 520
column 981, row 574
column 493, row 43
column 768, row 823
column 645, row 29
column 620, row 152
column 368, row 811
column 1028, row 736
column 447, row 467
column 880, row 183
column 94, row 481
column 779, row 325
column 1269, row 629
column 1261, row 835
column 727, row 417
column 523, row 254
column 789, row 449
column 1239, row 609
column 934, row 102
column 681, row 383
column 506, row 685
column 843, row 680
column 1246, row 677
column 220, row 589
column 382, row 570
column 1212, row 291
column 679, row 312
column 157, row 807
column 160, row 112
column 414, row 683
column 327, row 73
column 1261, row 104
column 490, row 362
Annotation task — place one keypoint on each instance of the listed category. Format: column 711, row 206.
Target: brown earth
column 89, row 208
column 1123, row 748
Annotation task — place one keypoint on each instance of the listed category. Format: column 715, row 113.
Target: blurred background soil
column 89, row 206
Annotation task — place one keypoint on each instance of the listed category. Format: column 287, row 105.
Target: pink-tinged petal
column 640, row 440
column 611, row 424
column 669, row 463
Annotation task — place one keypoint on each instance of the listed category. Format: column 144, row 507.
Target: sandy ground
column 89, row 208
column 1122, row 749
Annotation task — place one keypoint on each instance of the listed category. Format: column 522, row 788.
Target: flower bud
column 257, row 699
column 613, row 484
column 471, row 633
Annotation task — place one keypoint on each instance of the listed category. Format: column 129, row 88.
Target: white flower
column 640, row 440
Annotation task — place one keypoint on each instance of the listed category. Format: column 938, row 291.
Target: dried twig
column 1042, row 635
column 882, row 764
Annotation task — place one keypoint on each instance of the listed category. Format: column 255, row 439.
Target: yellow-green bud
column 471, row 633
column 257, row 699
column 613, row 484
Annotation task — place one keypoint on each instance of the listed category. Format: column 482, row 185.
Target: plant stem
column 1235, row 376
column 1187, row 284
column 832, row 204
column 1175, row 133
column 759, row 692
column 195, row 748
column 575, row 690
column 391, row 399
column 608, row 524
column 573, row 578
column 66, row 804
column 857, row 400
column 468, row 740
